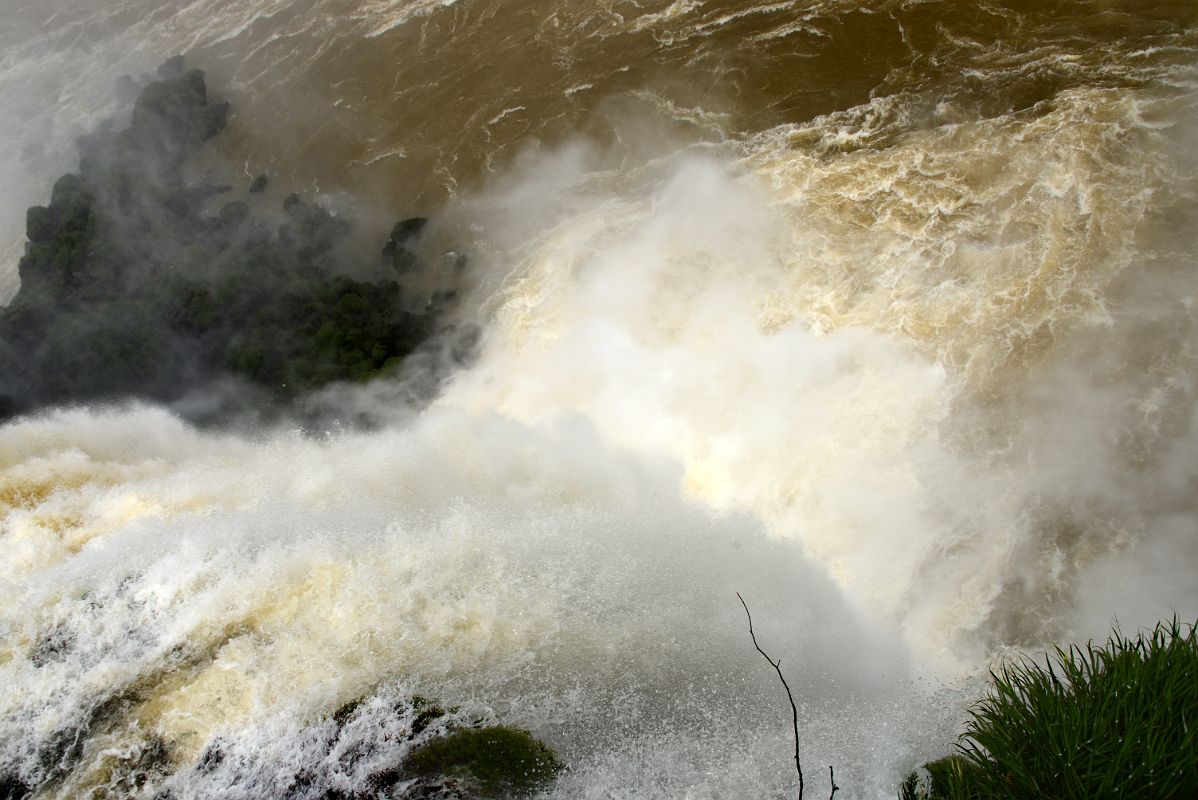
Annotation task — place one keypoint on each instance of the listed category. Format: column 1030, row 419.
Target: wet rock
column 212, row 757
column 11, row 788
column 346, row 710
column 52, row 646
column 398, row 251
column 496, row 761
column 130, row 773
column 408, row 229
column 439, row 789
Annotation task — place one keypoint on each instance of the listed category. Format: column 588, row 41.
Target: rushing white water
column 915, row 374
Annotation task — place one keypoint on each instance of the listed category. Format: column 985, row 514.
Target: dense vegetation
column 135, row 283
column 1116, row 720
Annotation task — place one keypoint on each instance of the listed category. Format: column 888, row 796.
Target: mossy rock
column 499, row 760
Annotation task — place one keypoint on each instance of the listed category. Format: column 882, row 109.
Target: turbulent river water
column 883, row 314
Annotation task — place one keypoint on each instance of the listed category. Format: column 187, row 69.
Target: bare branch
column 793, row 708
column 832, row 780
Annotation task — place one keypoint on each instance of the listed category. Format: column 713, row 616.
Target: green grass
column 1112, row 720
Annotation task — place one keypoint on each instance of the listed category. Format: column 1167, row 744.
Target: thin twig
column 832, row 780
column 777, row 665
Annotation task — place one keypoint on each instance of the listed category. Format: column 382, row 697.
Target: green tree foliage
column 130, row 288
